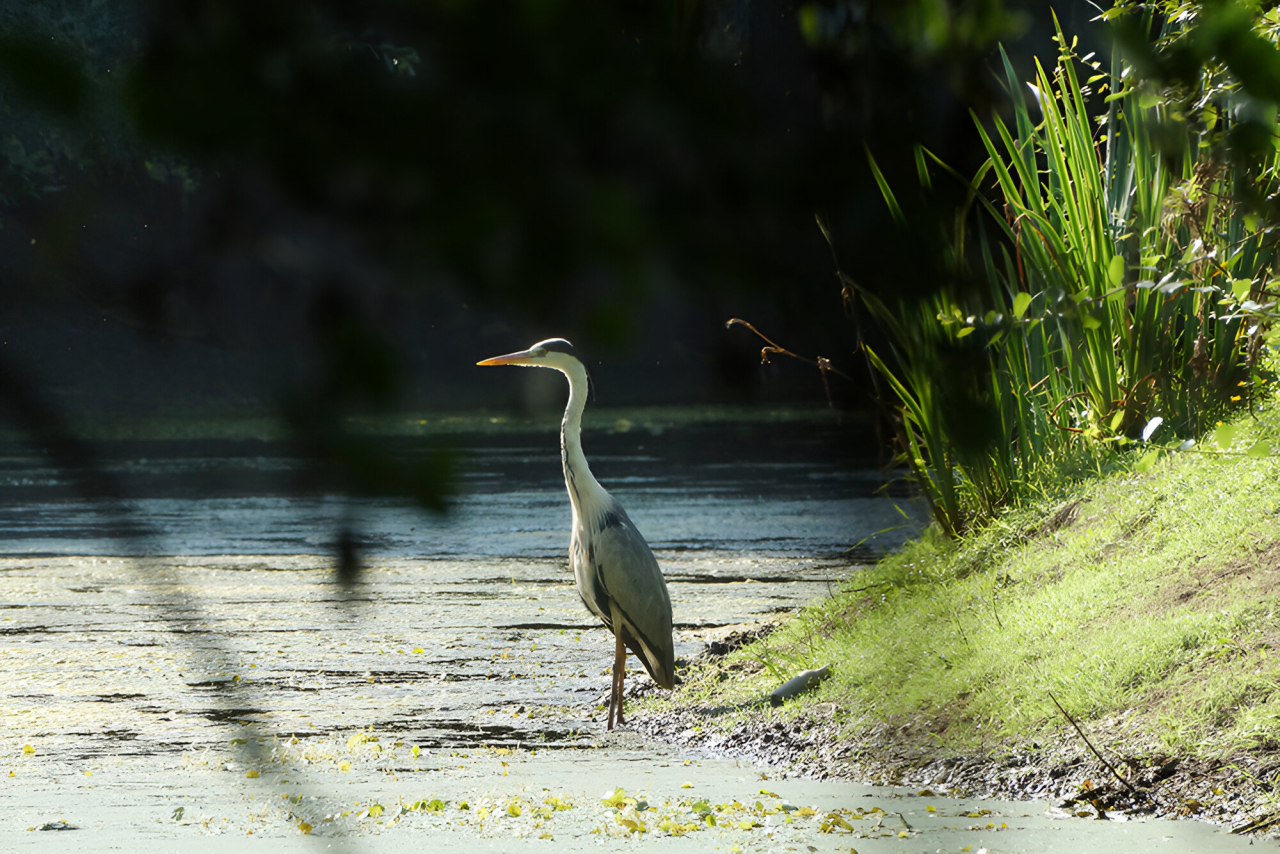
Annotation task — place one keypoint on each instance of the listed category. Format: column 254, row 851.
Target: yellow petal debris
column 252, row 775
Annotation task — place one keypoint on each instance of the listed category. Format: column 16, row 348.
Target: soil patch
column 1238, row 792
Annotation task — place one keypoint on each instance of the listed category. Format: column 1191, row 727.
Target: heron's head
column 553, row 353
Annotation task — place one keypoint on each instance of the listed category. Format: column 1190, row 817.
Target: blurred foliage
column 563, row 163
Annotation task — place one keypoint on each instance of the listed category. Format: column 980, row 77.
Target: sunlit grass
column 1156, row 600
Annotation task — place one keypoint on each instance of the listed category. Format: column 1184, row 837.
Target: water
column 224, row 685
column 748, row 521
column 789, row 488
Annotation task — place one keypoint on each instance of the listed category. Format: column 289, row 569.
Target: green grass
column 1123, row 279
column 1153, row 596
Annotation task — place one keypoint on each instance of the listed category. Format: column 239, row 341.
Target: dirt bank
column 1237, row 792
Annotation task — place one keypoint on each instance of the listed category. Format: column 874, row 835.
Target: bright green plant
column 1127, row 289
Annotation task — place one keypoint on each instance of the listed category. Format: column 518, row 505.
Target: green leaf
column 1115, row 271
column 885, row 190
column 810, row 23
column 1260, row 449
column 1117, row 420
column 1240, row 288
column 1224, row 435
column 1021, row 303
column 1145, row 463
column 1089, row 321
column 965, row 331
column 922, row 169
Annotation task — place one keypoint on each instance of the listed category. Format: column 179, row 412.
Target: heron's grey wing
column 629, row 573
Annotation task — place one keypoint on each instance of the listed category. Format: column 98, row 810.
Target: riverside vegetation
column 1093, row 614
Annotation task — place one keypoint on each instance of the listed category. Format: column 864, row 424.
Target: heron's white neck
column 585, row 492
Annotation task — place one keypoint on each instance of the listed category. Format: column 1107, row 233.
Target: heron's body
column 617, row 576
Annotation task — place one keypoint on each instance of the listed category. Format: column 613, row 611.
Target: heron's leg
column 620, row 664
column 619, row 670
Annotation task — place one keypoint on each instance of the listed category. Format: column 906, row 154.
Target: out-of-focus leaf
column 1152, row 426
column 42, row 72
column 1115, row 271
column 1146, row 461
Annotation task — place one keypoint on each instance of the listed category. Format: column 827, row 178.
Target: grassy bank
column 1146, row 604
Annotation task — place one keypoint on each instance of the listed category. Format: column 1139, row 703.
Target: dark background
column 223, row 208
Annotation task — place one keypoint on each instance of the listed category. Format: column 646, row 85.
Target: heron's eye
column 541, row 351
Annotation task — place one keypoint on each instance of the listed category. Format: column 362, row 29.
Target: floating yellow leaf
column 375, row 810
column 686, row 785
column 304, row 827
column 344, row 766
column 252, row 775
column 418, row 650
column 514, row 808
column 28, row 749
column 415, row 751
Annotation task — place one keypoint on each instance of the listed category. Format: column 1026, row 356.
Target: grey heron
column 617, row 576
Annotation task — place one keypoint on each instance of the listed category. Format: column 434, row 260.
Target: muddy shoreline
column 1237, row 793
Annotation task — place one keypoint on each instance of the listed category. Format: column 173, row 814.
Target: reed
column 1125, row 292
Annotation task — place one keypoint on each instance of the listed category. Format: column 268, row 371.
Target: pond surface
column 775, row 488
column 222, row 689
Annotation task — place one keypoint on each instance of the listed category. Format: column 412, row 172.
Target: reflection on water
column 776, row 488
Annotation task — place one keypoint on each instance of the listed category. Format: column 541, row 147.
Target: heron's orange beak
column 521, row 358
